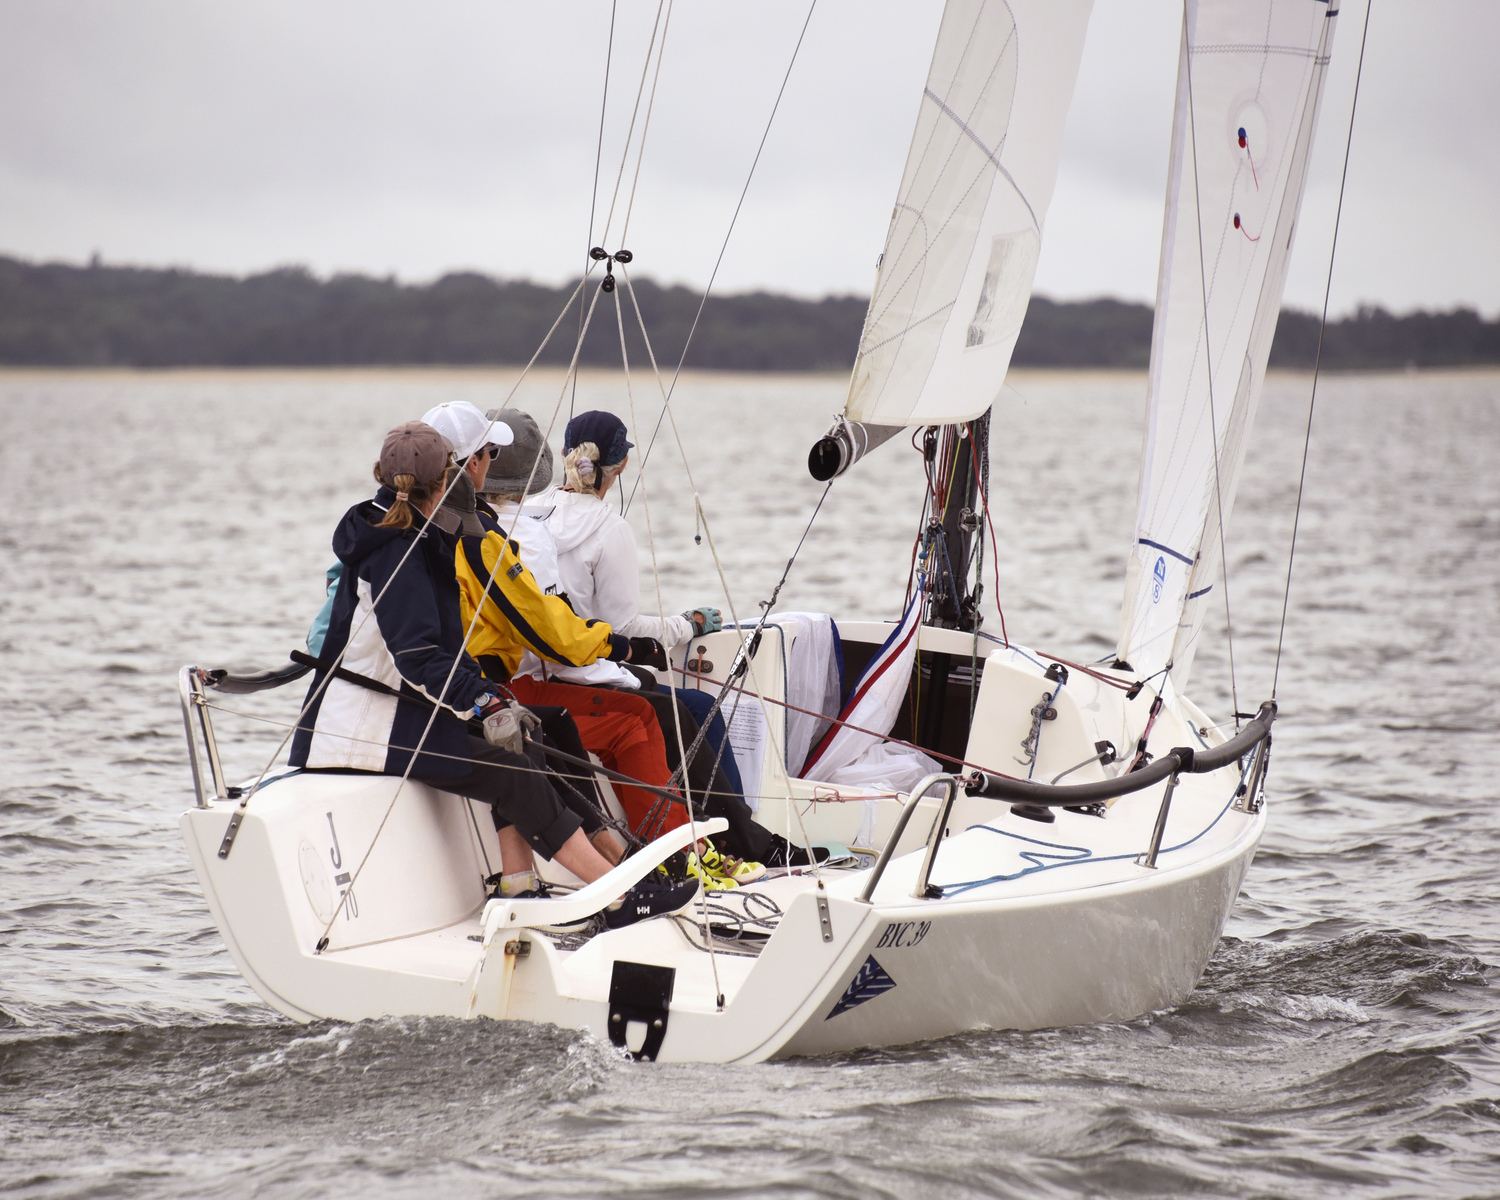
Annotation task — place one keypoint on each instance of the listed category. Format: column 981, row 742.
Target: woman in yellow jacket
column 515, row 616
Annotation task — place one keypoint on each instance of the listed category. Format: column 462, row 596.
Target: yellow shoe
column 736, row 869
column 712, row 880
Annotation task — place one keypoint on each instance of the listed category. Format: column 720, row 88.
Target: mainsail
column 956, row 274
column 1249, row 82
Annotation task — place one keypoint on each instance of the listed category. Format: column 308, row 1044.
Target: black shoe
column 650, row 898
column 788, row 854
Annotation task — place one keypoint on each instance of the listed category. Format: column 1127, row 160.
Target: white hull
column 1095, row 937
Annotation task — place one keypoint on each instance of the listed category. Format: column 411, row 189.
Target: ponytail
column 400, row 515
column 581, row 468
column 582, row 472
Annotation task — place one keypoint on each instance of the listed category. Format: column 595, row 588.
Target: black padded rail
column 241, row 685
column 1183, row 758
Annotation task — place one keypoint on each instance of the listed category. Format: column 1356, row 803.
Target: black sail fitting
column 844, row 445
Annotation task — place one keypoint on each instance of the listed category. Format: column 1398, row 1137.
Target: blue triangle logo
column 869, row 981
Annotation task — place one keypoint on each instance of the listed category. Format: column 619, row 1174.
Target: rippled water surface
column 1342, row 1042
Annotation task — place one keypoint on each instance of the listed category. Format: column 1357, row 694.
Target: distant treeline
column 65, row 316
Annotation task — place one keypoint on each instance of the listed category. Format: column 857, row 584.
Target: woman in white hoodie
column 598, row 566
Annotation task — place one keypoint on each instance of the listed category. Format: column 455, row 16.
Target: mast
column 958, row 463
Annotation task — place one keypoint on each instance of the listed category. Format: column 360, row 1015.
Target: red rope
column 994, row 541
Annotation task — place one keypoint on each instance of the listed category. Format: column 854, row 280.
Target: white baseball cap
column 468, row 429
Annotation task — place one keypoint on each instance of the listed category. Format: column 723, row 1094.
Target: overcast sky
column 417, row 138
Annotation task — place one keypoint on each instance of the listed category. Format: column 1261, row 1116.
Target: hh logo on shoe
column 869, row 981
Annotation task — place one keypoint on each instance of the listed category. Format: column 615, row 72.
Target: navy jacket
column 410, row 643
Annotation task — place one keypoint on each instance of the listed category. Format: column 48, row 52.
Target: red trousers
column 623, row 731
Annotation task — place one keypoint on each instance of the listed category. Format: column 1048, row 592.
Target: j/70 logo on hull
column 901, row 934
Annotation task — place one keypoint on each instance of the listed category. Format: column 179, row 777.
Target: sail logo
column 1159, row 575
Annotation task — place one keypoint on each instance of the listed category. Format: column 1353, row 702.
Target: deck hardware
column 915, row 798
column 1148, row 859
column 825, row 921
column 518, row 947
column 925, row 890
column 640, row 992
column 229, row 833
column 1251, row 797
column 190, row 692
column 1034, row 812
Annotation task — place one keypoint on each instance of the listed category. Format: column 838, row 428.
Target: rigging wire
column 1213, row 419
column 630, row 132
column 698, row 316
column 656, row 577
column 1318, row 360
column 702, row 517
column 646, row 127
column 609, row 55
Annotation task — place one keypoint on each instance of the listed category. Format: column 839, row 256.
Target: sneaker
column 734, row 869
column 788, row 854
column 649, row 898
column 712, row 880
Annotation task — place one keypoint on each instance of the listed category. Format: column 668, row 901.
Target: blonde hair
column 399, row 515
column 591, row 477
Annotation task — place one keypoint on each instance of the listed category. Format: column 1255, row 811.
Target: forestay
column 1249, row 81
column 956, row 273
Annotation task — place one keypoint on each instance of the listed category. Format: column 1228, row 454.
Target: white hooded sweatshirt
column 599, row 567
column 528, row 529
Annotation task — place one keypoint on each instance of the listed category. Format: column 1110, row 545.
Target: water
column 1342, row 1042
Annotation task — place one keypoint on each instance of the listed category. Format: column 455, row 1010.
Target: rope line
column 656, row 579
column 1318, row 360
column 609, row 55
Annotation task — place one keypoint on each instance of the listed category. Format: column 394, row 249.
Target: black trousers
column 518, row 793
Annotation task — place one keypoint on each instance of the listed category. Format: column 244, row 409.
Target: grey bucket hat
column 510, row 469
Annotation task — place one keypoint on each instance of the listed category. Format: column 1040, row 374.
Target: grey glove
column 705, row 619
column 505, row 725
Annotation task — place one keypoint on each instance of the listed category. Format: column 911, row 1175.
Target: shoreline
column 502, row 372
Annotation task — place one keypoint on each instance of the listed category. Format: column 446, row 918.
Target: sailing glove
column 648, row 652
column 507, row 723
column 705, row 619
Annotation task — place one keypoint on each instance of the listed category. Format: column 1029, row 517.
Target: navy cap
column 605, row 430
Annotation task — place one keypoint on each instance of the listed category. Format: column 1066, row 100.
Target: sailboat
column 1074, row 848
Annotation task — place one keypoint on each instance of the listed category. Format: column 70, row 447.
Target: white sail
column 955, row 277
column 1249, row 83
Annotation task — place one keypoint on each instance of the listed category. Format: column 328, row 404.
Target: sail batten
column 1250, row 80
column 961, row 252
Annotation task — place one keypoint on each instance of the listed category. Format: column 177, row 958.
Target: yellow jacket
column 517, row 615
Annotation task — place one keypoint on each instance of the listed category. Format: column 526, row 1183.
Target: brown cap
column 414, row 449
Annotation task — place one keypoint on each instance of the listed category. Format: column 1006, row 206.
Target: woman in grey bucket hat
column 525, row 466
